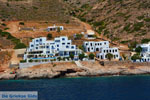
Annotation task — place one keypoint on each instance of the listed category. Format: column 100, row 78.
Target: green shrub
column 21, row 23
column 138, row 49
column 147, row 19
column 140, row 17
column 23, row 61
column 132, row 45
column 109, row 56
column 127, row 27
column 49, row 36
column 20, row 46
column 30, row 60
column 72, row 56
column 135, row 57
column 124, row 42
column 78, row 36
column 91, row 56
column 138, row 26
column 81, row 56
column 145, row 40
column 3, row 24
column 59, row 58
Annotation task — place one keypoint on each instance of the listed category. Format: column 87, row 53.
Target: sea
column 84, row 88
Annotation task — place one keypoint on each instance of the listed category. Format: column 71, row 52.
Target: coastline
column 70, row 69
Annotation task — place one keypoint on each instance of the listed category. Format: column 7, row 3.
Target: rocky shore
column 70, row 69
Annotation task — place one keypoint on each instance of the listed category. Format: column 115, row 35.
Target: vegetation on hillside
column 124, row 21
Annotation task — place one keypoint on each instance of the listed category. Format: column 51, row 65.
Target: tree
column 21, row 23
column 81, row 47
column 72, row 56
column 132, row 45
column 59, row 58
column 138, row 49
column 109, row 56
column 58, row 30
column 81, row 56
column 49, row 36
column 91, row 56
column 135, row 57
column 78, row 36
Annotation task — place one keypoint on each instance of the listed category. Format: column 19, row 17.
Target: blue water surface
column 98, row 88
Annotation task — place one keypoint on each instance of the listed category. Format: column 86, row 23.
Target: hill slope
column 44, row 10
column 120, row 20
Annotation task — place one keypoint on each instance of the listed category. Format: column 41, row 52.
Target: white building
column 90, row 34
column 92, row 46
column 105, row 51
column 102, row 47
column 145, row 54
column 41, row 48
column 55, row 28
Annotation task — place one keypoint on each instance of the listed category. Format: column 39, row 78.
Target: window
column 63, row 43
column 110, row 51
column 40, row 39
column 72, row 47
column 104, row 51
column 67, row 46
column 100, row 43
column 68, row 43
column 37, row 40
column 32, row 45
column 91, row 44
column 47, row 46
column 107, row 51
column 57, row 45
column 36, row 47
column 57, row 49
column 37, row 44
column 63, row 38
column 95, row 43
column 116, row 50
column 57, row 40
column 105, row 43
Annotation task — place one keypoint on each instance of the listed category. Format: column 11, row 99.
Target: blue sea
column 87, row 88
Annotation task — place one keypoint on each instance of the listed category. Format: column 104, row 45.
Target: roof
column 90, row 32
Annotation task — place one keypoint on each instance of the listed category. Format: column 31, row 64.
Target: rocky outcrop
column 71, row 70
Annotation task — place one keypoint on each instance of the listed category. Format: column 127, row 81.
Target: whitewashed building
column 104, row 51
column 145, row 54
column 102, row 48
column 41, row 48
column 92, row 46
column 90, row 34
column 55, row 28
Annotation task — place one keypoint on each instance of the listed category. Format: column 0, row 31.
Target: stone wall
column 122, row 63
column 31, row 64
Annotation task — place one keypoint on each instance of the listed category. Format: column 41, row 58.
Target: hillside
column 41, row 10
column 124, row 21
